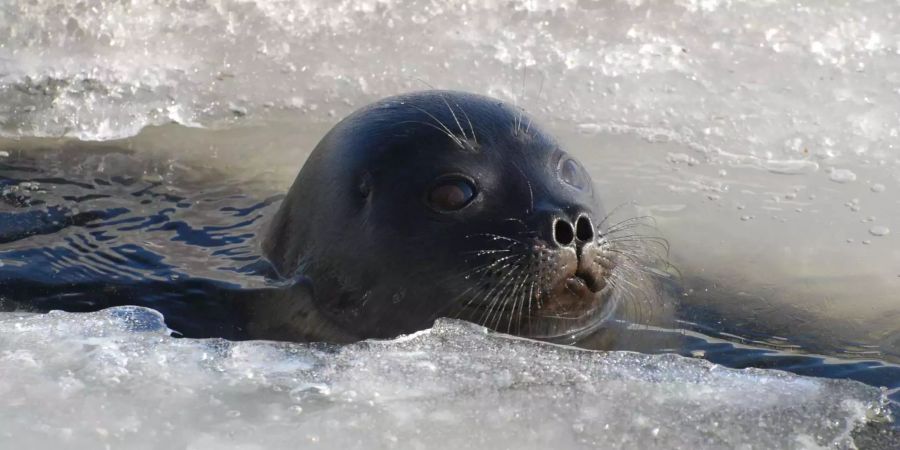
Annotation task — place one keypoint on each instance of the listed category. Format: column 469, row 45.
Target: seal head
column 446, row 204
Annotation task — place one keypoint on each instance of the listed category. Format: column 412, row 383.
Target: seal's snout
column 566, row 234
column 586, row 277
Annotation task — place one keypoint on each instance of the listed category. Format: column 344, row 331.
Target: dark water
column 87, row 228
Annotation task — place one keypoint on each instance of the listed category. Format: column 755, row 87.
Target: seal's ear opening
column 365, row 184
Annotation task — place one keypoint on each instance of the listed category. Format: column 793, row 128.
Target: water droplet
column 746, row 218
column 877, row 187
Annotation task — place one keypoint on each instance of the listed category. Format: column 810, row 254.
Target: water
column 145, row 144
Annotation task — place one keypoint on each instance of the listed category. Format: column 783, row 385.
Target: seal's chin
column 574, row 306
column 573, row 311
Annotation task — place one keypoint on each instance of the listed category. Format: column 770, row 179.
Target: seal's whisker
column 450, row 303
column 513, row 219
column 501, row 268
column 530, row 296
column 503, row 299
column 455, row 138
column 455, row 119
column 513, row 295
column 507, row 293
column 648, row 221
column 530, row 189
column 653, row 264
column 453, row 113
column 483, row 269
column 612, row 212
column 644, row 247
column 480, row 296
column 527, row 303
column 493, row 295
column 632, row 233
column 641, row 239
column 472, row 128
column 521, row 95
column 650, row 293
column 487, row 251
column 632, row 290
column 443, row 130
column 540, row 90
column 444, row 98
column 495, row 237
column 516, row 299
column 657, row 242
column 628, row 227
column 500, row 299
column 633, row 257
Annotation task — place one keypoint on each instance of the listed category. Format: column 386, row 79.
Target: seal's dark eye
column 451, row 194
column 571, row 173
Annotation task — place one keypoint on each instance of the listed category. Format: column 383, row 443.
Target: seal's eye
column 571, row 173
column 451, row 194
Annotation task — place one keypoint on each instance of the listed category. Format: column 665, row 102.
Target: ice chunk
column 116, row 378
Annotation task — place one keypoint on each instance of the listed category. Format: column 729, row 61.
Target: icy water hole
column 145, row 143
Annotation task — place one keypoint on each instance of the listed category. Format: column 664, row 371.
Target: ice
column 842, row 176
column 116, row 378
column 720, row 75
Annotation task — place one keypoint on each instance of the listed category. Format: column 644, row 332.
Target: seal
column 443, row 204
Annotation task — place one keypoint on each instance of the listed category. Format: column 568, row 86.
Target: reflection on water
column 88, row 228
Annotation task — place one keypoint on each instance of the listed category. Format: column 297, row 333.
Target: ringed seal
column 442, row 204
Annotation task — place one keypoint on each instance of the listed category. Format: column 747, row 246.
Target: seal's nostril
column 584, row 230
column 563, row 233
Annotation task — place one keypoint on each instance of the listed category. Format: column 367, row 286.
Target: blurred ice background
column 762, row 136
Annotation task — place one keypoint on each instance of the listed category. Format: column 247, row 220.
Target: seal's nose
column 566, row 234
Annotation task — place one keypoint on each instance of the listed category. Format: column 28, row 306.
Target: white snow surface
column 115, row 379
